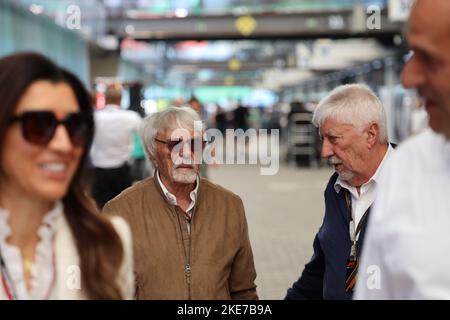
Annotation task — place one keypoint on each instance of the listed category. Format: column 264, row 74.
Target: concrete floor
column 284, row 212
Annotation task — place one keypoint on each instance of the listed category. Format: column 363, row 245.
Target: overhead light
column 36, row 9
column 112, row 3
column 377, row 64
column 205, row 74
column 239, row 11
column 108, row 42
column 129, row 29
column 181, row 13
column 398, row 40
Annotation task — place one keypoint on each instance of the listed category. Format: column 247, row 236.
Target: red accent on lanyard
column 6, row 286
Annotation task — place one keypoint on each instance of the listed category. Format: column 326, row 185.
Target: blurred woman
column 53, row 242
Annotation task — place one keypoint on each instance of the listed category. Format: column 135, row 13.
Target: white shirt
column 43, row 271
column 68, row 284
column 113, row 141
column 362, row 201
column 173, row 200
column 407, row 246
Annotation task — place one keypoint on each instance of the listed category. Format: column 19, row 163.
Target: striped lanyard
column 7, row 280
column 8, row 283
column 354, row 232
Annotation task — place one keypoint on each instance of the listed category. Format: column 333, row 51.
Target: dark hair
column 99, row 246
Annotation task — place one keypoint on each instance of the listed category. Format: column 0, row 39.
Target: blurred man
column 112, row 147
column 406, row 255
column 195, row 104
column 352, row 125
column 190, row 236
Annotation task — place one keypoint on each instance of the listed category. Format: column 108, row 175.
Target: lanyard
column 354, row 232
column 8, row 284
column 7, row 280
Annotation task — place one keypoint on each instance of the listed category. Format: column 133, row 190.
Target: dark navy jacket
column 324, row 275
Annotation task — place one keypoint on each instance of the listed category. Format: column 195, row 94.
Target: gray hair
column 178, row 117
column 355, row 104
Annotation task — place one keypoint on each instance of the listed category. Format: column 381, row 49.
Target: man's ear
column 373, row 133
column 152, row 159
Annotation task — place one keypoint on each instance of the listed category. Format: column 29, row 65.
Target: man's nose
column 327, row 150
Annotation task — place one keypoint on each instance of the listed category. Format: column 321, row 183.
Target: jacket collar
column 338, row 198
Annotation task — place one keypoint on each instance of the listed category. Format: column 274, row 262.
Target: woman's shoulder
column 122, row 228
column 126, row 277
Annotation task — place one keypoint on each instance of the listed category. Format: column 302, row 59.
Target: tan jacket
column 214, row 262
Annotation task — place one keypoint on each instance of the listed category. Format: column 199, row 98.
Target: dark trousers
column 108, row 183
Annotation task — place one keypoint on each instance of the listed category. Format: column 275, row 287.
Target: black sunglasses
column 39, row 127
column 192, row 142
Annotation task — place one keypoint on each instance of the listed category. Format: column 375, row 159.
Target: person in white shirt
column 112, row 148
column 407, row 245
column 352, row 125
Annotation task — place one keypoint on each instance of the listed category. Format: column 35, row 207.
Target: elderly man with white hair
column 190, row 236
column 352, row 126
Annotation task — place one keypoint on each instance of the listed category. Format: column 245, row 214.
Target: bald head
column 431, row 15
column 428, row 70
column 113, row 94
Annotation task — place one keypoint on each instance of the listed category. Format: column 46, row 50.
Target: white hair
column 176, row 117
column 355, row 104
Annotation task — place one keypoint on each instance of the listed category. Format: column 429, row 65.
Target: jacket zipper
column 187, row 266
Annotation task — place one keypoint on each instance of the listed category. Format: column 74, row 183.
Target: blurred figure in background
column 48, row 225
column 221, row 119
column 297, row 107
column 352, row 124
column 111, row 152
column 195, row 104
column 240, row 117
column 190, row 235
column 407, row 242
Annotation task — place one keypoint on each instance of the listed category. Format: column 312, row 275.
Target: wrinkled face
column 41, row 172
column 428, row 70
column 346, row 148
column 178, row 163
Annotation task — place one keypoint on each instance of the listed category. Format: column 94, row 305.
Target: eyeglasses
column 192, row 142
column 39, row 127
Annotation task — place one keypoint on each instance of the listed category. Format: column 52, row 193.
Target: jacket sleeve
column 243, row 273
column 310, row 284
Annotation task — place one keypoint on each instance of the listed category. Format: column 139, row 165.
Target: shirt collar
column 339, row 184
column 172, row 199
